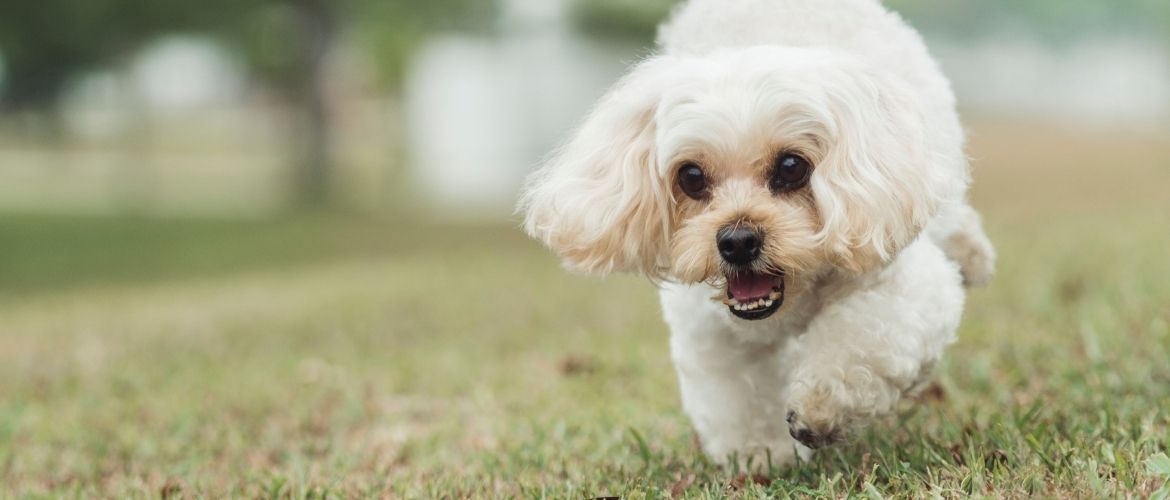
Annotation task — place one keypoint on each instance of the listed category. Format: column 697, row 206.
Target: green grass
column 338, row 357
column 50, row 253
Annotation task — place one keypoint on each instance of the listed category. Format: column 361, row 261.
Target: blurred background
column 158, row 137
column 244, row 109
column 217, row 197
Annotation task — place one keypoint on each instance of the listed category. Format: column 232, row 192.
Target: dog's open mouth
column 753, row 296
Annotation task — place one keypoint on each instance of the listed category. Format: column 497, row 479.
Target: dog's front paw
column 817, row 416
column 812, row 434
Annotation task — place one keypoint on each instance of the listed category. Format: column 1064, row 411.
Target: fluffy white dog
column 791, row 173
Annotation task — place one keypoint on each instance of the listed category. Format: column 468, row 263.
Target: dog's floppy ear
column 600, row 201
column 886, row 173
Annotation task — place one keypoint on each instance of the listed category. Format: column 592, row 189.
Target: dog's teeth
column 756, row 305
column 776, row 295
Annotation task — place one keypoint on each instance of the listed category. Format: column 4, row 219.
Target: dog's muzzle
column 750, row 295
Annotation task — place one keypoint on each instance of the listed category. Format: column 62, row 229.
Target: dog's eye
column 791, row 172
column 692, row 181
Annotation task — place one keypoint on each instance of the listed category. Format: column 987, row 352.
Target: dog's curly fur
column 873, row 253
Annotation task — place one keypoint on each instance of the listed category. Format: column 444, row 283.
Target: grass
column 317, row 357
column 47, row 254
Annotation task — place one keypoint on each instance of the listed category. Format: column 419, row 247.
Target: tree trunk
column 312, row 129
column 30, row 93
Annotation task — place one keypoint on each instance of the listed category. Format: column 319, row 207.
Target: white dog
column 792, row 174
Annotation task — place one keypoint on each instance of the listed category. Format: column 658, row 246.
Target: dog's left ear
column 600, row 202
column 887, row 172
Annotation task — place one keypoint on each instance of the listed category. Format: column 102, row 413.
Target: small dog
column 791, row 173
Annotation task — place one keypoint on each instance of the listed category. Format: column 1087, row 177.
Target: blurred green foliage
column 47, row 42
column 284, row 45
column 1053, row 20
column 392, row 29
column 636, row 19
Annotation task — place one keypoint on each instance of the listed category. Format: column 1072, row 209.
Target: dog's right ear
column 600, row 201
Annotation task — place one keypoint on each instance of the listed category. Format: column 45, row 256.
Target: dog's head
column 754, row 169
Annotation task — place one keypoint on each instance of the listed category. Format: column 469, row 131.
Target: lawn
column 335, row 356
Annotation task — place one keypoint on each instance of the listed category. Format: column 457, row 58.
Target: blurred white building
column 1093, row 81
column 482, row 111
column 174, row 77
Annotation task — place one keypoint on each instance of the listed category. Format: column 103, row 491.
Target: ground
column 329, row 356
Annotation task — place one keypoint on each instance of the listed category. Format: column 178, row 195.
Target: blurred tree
column 391, row 30
column 47, row 42
column 637, row 19
column 285, row 42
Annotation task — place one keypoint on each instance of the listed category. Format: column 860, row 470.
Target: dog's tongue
column 750, row 286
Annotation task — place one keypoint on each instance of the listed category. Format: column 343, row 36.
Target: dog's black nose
column 738, row 245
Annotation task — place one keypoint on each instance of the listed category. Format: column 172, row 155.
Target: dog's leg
column 865, row 350
column 958, row 230
column 735, row 401
column 732, row 388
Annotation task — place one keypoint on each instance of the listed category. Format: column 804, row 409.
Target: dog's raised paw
column 809, row 436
